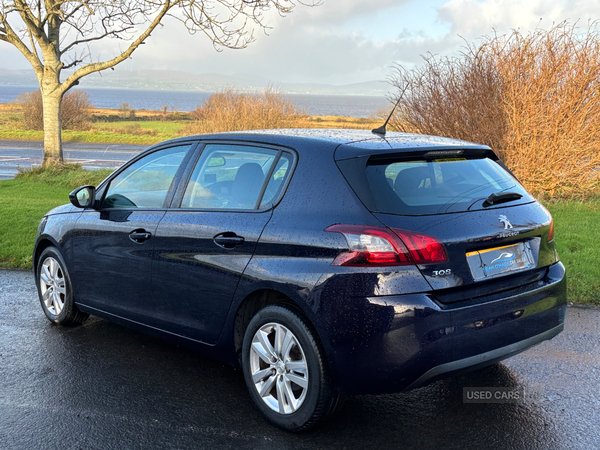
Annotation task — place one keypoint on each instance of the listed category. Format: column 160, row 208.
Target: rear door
column 208, row 236
column 492, row 229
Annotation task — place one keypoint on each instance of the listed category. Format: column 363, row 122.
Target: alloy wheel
column 278, row 368
column 52, row 285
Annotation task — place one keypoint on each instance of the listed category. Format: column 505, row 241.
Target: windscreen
column 419, row 187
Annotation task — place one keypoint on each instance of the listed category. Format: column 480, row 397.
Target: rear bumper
column 406, row 341
column 483, row 359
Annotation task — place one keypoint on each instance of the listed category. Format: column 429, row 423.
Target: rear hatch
column 496, row 235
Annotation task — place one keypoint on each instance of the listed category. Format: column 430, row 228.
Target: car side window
column 229, row 177
column 277, row 179
column 145, row 183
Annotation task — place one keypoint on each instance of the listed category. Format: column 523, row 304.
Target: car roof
column 349, row 143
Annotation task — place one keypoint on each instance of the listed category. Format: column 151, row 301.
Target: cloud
column 334, row 12
column 309, row 45
column 472, row 19
column 342, row 41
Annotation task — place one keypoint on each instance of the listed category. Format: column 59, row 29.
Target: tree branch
column 32, row 23
column 25, row 12
column 96, row 38
column 73, row 63
column 33, row 48
column 97, row 67
column 11, row 37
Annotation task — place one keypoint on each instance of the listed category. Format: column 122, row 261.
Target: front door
column 113, row 245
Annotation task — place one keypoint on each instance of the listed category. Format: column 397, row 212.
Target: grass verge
column 578, row 243
column 25, row 200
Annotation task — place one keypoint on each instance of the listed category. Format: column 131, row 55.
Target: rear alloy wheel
column 55, row 291
column 279, row 369
column 285, row 370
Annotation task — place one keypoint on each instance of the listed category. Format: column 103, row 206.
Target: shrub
column 75, row 110
column 231, row 110
column 533, row 98
column 135, row 129
column 126, row 111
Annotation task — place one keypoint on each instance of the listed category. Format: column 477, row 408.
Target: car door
column 113, row 244
column 204, row 242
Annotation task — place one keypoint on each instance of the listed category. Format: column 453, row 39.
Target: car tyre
column 286, row 370
column 55, row 290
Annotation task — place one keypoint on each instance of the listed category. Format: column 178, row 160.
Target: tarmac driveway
column 102, row 386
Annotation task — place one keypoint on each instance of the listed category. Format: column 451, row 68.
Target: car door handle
column 228, row 240
column 139, row 236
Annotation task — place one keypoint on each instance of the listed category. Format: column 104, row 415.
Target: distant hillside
column 17, row 77
column 207, row 82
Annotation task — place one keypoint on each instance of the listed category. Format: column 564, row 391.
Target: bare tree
column 55, row 35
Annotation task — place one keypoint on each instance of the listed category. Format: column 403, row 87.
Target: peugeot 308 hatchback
column 323, row 262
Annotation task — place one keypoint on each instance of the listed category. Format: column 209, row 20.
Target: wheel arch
column 42, row 244
column 254, row 302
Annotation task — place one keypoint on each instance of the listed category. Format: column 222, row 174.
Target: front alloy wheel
column 52, row 285
column 55, row 290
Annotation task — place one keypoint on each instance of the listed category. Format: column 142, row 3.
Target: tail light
column 380, row 246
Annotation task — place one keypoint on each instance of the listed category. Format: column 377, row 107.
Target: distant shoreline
column 362, row 106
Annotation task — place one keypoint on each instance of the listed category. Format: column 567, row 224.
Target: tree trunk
column 53, row 153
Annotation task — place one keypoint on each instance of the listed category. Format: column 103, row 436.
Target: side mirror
column 83, row 197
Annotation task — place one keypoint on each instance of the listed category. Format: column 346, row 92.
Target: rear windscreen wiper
column 494, row 199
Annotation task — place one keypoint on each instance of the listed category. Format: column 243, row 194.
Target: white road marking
column 12, row 158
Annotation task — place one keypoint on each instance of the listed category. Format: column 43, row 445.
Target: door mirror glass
column 83, row 197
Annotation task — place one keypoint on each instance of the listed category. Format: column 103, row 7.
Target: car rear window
column 419, row 187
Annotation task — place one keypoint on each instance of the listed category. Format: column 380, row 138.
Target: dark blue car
column 323, row 262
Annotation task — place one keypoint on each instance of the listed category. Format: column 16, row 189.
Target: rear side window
column 438, row 186
column 277, row 179
column 235, row 176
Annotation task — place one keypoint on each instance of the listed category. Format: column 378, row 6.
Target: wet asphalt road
column 28, row 154
column 102, row 386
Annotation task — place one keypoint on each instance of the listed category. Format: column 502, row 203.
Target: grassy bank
column 578, row 244
column 24, row 201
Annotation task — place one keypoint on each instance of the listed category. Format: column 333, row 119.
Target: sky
column 342, row 41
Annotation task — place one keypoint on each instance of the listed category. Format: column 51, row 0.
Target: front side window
column 146, row 182
column 233, row 176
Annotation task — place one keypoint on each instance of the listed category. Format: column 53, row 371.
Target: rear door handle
column 140, row 236
column 228, row 240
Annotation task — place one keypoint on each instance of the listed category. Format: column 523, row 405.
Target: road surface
column 27, row 154
column 103, row 386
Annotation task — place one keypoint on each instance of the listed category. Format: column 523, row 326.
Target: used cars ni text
column 323, row 262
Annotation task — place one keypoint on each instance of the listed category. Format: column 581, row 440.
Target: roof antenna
column 381, row 129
